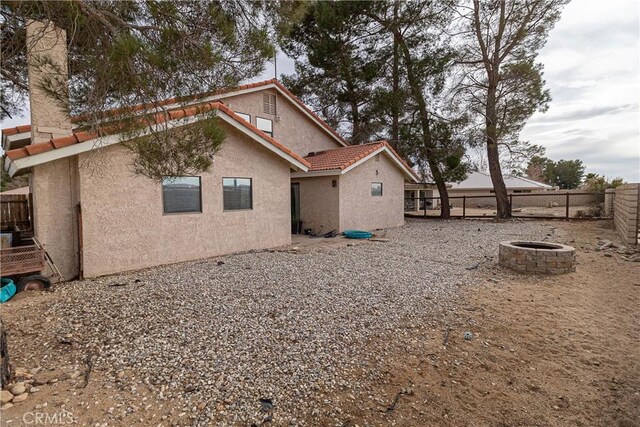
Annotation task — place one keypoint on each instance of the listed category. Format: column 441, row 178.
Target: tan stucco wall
column 294, row 129
column 53, row 186
column 360, row 210
column 319, row 203
column 124, row 227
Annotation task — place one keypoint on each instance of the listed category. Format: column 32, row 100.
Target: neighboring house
column 479, row 183
column 419, row 195
column 280, row 164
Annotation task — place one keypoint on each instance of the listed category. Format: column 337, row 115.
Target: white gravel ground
column 290, row 327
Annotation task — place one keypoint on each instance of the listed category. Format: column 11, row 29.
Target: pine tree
column 501, row 41
column 123, row 53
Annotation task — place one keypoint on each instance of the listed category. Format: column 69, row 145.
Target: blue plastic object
column 8, row 290
column 357, row 234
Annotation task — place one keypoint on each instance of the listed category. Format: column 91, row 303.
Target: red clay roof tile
column 83, row 136
column 17, row 153
column 39, row 148
column 64, row 141
column 343, row 157
column 169, row 101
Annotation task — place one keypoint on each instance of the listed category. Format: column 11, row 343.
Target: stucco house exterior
column 279, row 163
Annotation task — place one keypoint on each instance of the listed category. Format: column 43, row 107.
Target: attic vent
column 314, row 153
column 269, row 101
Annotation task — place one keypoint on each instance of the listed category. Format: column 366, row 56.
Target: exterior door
column 295, row 207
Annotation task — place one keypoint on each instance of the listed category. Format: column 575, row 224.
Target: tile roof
column 16, row 130
column 174, row 100
column 343, row 157
column 157, row 118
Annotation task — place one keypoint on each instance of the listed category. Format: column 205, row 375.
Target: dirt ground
column 545, row 351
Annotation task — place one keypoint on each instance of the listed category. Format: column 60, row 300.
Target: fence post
column 464, row 206
column 510, row 204
column 567, row 206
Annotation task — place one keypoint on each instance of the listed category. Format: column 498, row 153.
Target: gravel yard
column 247, row 338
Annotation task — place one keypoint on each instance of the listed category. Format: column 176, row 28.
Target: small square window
column 237, row 194
column 376, row 189
column 269, row 103
column 244, row 116
column 181, row 194
column 265, row 125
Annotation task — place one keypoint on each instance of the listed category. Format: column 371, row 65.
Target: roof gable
column 83, row 141
column 212, row 96
column 341, row 160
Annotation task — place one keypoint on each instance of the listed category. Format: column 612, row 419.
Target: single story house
column 419, row 195
column 479, row 184
column 475, row 185
column 279, row 164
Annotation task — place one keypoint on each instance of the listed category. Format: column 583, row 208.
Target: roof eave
column 12, row 166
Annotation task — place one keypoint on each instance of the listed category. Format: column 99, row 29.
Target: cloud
column 584, row 114
column 591, row 66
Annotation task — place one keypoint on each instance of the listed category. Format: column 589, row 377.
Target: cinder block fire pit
column 537, row 257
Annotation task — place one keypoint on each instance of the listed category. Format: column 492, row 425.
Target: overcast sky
column 592, row 67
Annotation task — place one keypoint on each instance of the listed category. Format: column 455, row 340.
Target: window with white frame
column 237, row 194
column 269, row 103
column 265, row 125
column 376, row 189
column 181, row 194
column 244, row 116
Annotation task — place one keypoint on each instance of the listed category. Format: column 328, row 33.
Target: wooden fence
column 548, row 204
column 15, row 212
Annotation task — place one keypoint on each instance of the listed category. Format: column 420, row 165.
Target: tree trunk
column 6, row 373
column 503, row 208
column 445, row 211
column 416, row 90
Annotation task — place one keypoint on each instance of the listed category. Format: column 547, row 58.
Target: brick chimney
column 47, row 66
column 54, row 185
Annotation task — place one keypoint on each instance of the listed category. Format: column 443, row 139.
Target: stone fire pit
column 537, row 257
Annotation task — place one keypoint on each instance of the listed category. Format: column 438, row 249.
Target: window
column 376, row 189
column 181, row 194
column 269, row 103
column 265, row 125
column 244, row 116
column 237, row 193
